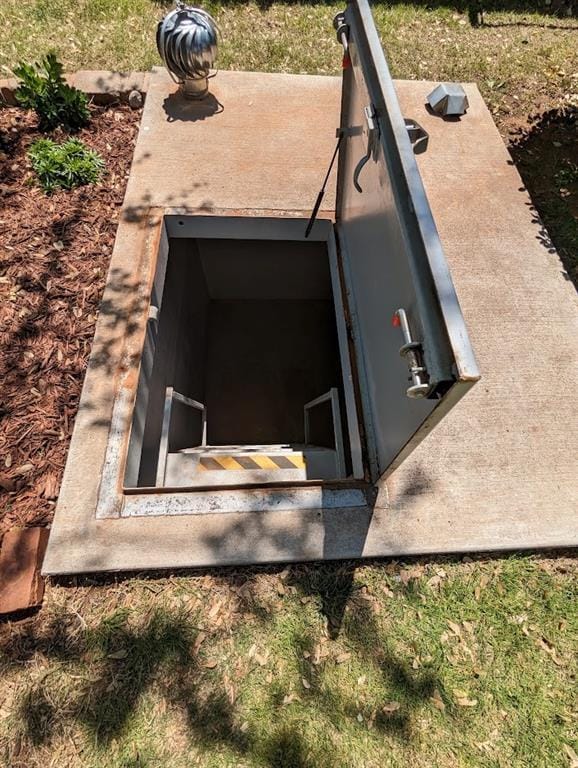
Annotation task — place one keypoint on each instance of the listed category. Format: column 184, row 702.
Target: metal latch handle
column 413, row 353
column 372, row 135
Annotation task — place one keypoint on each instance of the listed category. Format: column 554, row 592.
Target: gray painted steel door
column 393, row 259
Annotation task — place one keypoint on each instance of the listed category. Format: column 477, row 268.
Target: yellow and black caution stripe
column 255, row 461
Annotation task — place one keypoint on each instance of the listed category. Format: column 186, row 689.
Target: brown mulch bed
column 54, row 254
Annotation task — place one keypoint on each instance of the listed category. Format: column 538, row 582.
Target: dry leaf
column 359, row 717
column 245, row 727
column 199, row 640
column 361, row 680
column 50, row 490
column 459, row 694
column 306, row 683
column 550, row 650
column 406, row 576
column 318, row 653
column 572, row 756
column 229, row 688
column 24, row 469
column 455, row 628
column 342, row 657
column 261, row 660
column 437, row 701
column 118, row 655
column 390, row 707
column 468, row 702
column 291, row 697
column 210, row 663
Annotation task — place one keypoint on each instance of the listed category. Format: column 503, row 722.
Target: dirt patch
column 54, row 255
column 545, row 151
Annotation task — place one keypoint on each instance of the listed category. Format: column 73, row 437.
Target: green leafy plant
column 567, row 175
column 44, row 90
column 64, row 166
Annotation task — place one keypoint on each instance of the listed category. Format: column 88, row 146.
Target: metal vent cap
column 187, row 44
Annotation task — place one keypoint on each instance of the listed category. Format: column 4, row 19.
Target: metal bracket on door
column 418, row 136
column 372, row 139
column 413, row 353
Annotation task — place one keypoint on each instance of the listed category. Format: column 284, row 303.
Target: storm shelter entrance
column 241, row 381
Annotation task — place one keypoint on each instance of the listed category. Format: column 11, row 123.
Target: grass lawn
column 443, row 663
column 528, row 55
column 463, row 663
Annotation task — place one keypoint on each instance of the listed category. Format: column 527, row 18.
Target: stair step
column 248, row 450
column 246, row 461
column 248, row 465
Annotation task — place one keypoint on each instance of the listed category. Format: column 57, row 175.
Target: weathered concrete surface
column 259, row 141
column 498, row 473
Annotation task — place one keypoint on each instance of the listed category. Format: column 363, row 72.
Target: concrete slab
column 258, row 142
column 498, row 473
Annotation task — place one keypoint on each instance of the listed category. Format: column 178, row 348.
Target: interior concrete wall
column 265, row 269
column 179, row 356
column 266, row 359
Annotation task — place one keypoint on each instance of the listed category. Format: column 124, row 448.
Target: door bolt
column 412, row 351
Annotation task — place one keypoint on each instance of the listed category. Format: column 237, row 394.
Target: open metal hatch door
column 400, row 291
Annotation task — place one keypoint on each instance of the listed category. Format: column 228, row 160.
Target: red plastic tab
column 346, row 62
column 395, row 321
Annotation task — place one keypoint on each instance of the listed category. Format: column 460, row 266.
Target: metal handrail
column 170, row 396
column 333, row 397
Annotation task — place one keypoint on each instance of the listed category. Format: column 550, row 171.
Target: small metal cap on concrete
column 448, row 99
